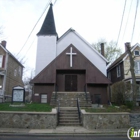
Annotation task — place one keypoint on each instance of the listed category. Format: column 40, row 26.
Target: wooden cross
column 71, row 54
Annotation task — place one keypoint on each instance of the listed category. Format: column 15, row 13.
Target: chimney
column 102, row 49
column 127, row 46
column 3, row 43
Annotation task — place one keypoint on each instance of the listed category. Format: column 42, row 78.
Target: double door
column 71, row 82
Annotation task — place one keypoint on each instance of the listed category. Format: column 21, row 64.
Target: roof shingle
column 48, row 27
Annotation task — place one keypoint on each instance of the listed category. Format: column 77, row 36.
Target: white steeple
column 46, row 46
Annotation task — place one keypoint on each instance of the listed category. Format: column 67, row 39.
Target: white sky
column 92, row 19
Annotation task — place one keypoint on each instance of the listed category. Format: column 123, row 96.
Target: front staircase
column 67, row 103
column 69, row 117
column 69, row 99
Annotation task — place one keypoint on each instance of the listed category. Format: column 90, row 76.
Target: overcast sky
column 92, row 19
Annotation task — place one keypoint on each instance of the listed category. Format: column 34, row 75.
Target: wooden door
column 70, row 82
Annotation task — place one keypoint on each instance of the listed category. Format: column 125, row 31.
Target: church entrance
column 70, row 82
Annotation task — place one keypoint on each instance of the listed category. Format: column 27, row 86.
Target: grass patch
column 108, row 109
column 33, row 107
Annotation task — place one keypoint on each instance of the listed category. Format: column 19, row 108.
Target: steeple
column 48, row 27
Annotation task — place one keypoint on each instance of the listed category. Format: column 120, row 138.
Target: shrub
column 129, row 104
column 120, row 92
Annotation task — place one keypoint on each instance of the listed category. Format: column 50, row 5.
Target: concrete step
column 68, row 118
column 68, row 115
column 70, row 124
column 69, row 121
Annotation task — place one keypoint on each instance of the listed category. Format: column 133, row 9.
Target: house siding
column 11, row 79
column 113, row 73
column 42, row 89
column 100, row 89
column 127, row 65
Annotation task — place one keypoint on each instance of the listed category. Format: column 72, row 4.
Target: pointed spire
column 48, row 27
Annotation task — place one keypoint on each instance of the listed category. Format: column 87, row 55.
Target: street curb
column 62, row 135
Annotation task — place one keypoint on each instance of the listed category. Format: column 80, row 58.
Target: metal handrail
column 85, row 90
column 58, row 112
column 79, row 110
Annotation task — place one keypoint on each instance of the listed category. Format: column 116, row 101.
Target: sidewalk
column 62, row 131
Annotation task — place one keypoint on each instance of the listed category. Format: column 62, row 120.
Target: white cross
column 71, row 54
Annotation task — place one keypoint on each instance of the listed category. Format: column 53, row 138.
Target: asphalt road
column 62, row 138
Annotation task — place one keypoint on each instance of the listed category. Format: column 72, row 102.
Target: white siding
column 87, row 51
column 46, row 52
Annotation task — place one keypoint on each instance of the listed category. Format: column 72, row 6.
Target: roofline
column 137, row 44
column 115, row 65
column 89, row 45
column 11, row 55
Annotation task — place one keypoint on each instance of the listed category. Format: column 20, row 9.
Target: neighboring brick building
column 11, row 71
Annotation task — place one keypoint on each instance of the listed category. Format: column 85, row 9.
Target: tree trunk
column 132, row 73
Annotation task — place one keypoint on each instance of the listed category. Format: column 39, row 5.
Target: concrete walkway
column 62, row 131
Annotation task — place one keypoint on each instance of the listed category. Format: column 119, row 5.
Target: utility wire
column 28, row 50
column 34, row 38
column 121, row 21
column 127, row 20
column 135, row 20
column 35, row 26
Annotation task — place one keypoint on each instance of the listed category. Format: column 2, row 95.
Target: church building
column 68, row 65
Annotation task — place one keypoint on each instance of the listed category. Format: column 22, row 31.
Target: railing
column 58, row 112
column 85, row 90
column 79, row 111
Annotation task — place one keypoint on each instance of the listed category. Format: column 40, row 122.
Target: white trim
column 1, row 60
column 71, row 54
column 136, row 45
column 137, row 54
column 3, row 48
column 5, row 75
column 89, row 45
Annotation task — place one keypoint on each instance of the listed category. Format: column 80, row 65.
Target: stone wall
column 135, row 120
column 34, row 120
column 105, row 120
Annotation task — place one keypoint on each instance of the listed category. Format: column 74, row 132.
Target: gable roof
column 48, row 26
column 79, row 36
column 122, row 57
column 47, row 75
column 11, row 55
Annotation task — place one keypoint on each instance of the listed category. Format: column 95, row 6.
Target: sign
column 131, row 133
column 18, row 94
